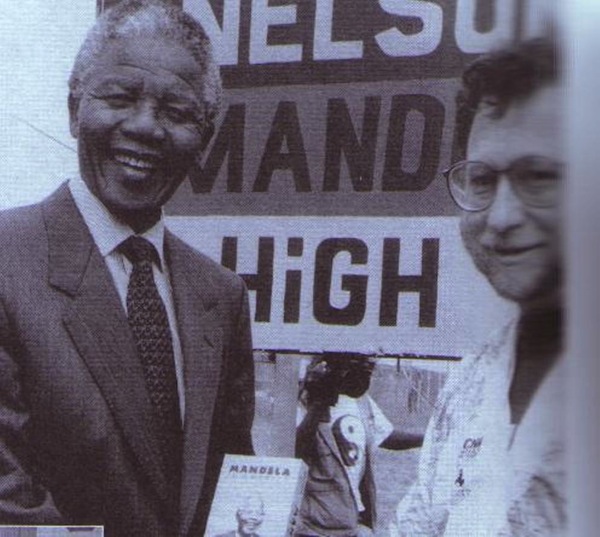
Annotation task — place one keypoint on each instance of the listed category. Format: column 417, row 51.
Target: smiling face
column 518, row 248
column 139, row 124
column 250, row 516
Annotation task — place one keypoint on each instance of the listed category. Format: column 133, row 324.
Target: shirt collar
column 108, row 232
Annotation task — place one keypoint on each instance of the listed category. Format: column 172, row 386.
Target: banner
column 336, row 106
column 375, row 285
column 338, row 119
column 323, row 185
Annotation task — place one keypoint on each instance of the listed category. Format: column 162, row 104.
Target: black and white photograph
column 283, row 268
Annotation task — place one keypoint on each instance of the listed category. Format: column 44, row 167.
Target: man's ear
column 73, row 115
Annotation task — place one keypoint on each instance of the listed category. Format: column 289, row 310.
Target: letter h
column 262, row 281
column 392, row 283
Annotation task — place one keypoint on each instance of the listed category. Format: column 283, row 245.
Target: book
column 258, row 496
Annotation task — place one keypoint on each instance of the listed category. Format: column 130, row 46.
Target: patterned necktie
column 150, row 327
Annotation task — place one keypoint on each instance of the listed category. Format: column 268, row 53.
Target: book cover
column 256, row 496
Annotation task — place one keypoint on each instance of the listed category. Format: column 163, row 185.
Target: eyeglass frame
column 498, row 173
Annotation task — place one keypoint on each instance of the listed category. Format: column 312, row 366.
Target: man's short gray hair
column 156, row 19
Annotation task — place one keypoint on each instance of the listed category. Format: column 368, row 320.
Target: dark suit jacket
column 77, row 440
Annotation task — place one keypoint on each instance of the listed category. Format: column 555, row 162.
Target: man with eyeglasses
column 493, row 458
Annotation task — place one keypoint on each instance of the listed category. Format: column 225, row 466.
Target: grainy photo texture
column 276, row 268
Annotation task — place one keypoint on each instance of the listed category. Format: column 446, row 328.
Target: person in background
column 336, row 439
column 492, row 462
column 126, row 368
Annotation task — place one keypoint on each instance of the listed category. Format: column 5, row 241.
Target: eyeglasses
column 535, row 180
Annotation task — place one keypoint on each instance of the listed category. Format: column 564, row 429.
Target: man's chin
column 529, row 295
column 139, row 219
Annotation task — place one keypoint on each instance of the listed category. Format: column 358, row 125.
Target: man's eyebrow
column 117, row 80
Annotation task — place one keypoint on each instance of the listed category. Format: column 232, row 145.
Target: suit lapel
column 98, row 327
column 199, row 325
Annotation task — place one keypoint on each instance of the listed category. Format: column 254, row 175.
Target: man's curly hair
column 502, row 77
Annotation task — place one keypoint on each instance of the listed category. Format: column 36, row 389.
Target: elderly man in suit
column 126, row 363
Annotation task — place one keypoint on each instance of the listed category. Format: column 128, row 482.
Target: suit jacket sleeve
column 240, row 385
column 232, row 423
column 23, row 500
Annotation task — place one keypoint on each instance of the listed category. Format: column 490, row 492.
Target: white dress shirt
column 108, row 233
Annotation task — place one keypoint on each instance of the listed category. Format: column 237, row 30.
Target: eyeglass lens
column 535, row 180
